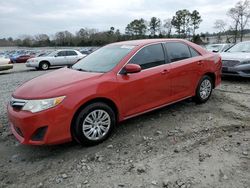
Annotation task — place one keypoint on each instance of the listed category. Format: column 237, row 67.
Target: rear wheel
column 44, row 65
column 94, row 124
column 204, row 89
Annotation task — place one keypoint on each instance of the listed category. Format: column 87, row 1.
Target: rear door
column 72, row 57
column 186, row 67
column 149, row 88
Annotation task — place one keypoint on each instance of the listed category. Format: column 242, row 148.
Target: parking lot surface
column 182, row 145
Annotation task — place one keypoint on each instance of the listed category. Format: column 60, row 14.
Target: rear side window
column 149, row 56
column 177, row 51
column 194, row 53
column 61, row 53
column 71, row 53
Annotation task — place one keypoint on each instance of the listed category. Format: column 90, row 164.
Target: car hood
column 53, row 84
column 4, row 60
column 41, row 58
column 239, row 56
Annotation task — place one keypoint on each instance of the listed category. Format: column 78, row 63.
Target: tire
column 44, row 65
column 203, row 90
column 88, row 129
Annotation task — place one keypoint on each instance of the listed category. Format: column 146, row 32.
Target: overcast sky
column 18, row 17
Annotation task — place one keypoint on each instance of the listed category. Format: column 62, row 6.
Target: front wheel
column 44, row 65
column 204, row 90
column 94, row 124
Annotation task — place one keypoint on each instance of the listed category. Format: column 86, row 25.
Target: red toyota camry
column 116, row 82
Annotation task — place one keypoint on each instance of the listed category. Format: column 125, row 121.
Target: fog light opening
column 39, row 134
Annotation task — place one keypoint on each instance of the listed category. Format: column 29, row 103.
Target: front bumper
column 6, row 67
column 28, row 64
column 47, row 127
column 240, row 71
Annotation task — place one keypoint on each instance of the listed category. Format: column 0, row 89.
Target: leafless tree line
column 239, row 16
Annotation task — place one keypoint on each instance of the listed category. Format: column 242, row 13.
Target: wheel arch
column 212, row 76
column 107, row 101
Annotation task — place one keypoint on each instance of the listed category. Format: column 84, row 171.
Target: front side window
column 71, row 53
column 61, row 53
column 104, row 59
column 149, row 56
column 177, row 51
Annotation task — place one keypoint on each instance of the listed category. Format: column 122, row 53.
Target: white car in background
column 56, row 58
column 5, row 64
column 218, row 48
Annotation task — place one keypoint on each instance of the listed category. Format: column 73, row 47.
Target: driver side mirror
column 132, row 68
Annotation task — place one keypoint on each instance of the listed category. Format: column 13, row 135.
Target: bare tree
column 232, row 13
column 220, row 25
column 240, row 14
column 168, row 26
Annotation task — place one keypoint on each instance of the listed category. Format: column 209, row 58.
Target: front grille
column 230, row 63
column 17, row 103
column 246, row 71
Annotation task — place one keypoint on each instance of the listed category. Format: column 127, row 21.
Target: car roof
column 143, row 42
column 59, row 50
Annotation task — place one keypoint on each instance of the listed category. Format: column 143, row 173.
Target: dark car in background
column 21, row 58
column 236, row 60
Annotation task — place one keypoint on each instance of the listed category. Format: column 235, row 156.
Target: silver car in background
column 236, row 60
column 56, row 58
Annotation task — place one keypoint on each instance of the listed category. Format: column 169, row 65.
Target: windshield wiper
column 85, row 70
column 80, row 69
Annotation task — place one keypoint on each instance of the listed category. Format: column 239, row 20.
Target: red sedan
column 21, row 58
column 114, row 83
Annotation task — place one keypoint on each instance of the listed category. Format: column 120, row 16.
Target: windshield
column 103, row 59
column 240, row 47
column 214, row 47
column 51, row 54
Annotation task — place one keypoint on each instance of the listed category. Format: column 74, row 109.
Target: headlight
column 43, row 104
column 32, row 60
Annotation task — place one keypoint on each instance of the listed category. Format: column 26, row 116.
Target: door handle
column 165, row 71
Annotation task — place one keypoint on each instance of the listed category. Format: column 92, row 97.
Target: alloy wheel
column 96, row 124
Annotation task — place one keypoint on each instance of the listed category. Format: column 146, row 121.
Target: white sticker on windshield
column 127, row 46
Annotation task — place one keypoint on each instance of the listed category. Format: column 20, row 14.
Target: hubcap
column 45, row 66
column 96, row 124
column 205, row 89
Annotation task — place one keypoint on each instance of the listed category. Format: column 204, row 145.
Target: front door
column 60, row 59
column 149, row 88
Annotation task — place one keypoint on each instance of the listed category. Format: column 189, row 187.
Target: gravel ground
column 183, row 145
